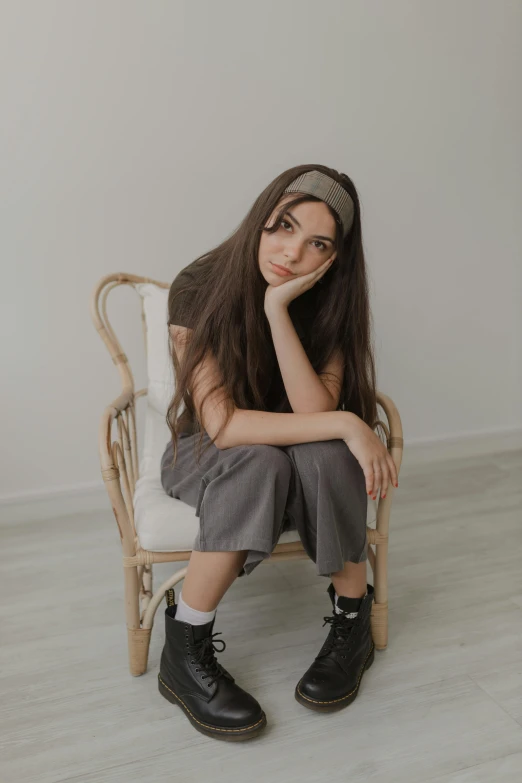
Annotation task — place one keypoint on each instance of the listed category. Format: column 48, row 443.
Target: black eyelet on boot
column 219, row 708
column 333, row 680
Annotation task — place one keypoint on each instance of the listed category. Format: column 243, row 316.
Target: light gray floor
column 443, row 703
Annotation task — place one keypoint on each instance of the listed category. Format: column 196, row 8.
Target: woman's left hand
column 282, row 295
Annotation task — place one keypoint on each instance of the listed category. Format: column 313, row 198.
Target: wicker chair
column 120, row 468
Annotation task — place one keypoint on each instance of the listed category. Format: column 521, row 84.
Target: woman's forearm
column 305, row 391
column 248, row 427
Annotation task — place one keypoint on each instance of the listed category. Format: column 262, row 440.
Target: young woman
column 270, row 337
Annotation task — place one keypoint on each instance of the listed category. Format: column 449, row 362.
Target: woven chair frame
column 119, row 458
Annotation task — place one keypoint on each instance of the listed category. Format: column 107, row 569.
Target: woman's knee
column 269, row 459
column 331, row 458
column 322, row 451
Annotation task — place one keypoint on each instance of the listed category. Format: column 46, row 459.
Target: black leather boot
column 191, row 677
column 333, row 680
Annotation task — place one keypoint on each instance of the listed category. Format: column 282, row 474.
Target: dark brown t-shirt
column 182, row 293
column 182, row 296
column 181, row 313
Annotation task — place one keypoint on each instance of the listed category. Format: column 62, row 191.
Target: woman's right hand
column 371, row 453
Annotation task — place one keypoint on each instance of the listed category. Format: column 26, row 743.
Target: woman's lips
column 280, row 270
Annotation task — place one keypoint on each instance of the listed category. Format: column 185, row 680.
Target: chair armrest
column 394, row 434
column 119, row 463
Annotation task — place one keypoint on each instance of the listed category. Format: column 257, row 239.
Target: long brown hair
column 230, row 320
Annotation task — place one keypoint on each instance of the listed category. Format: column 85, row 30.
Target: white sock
column 340, row 611
column 185, row 613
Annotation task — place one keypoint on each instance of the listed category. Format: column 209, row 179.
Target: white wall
column 135, row 135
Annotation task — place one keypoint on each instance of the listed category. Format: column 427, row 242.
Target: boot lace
column 204, row 653
column 341, row 635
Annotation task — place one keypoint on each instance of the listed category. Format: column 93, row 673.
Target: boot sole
column 343, row 701
column 218, row 732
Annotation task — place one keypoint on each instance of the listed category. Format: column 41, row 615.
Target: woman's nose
column 293, row 250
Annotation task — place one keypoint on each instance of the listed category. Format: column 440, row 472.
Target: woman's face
column 304, row 240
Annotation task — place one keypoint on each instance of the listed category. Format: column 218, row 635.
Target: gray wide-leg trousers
column 246, row 496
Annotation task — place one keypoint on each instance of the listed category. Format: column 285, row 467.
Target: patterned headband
column 327, row 189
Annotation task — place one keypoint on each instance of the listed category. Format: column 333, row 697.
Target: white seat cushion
column 160, row 385
column 165, row 524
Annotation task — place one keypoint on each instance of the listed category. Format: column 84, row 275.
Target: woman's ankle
column 187, row 614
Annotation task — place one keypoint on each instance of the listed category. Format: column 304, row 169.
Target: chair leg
column 146, row 585
column 138, row 638
column 379, row 623
column 379, row 614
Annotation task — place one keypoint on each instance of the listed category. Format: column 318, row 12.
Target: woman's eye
column 318, row 241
